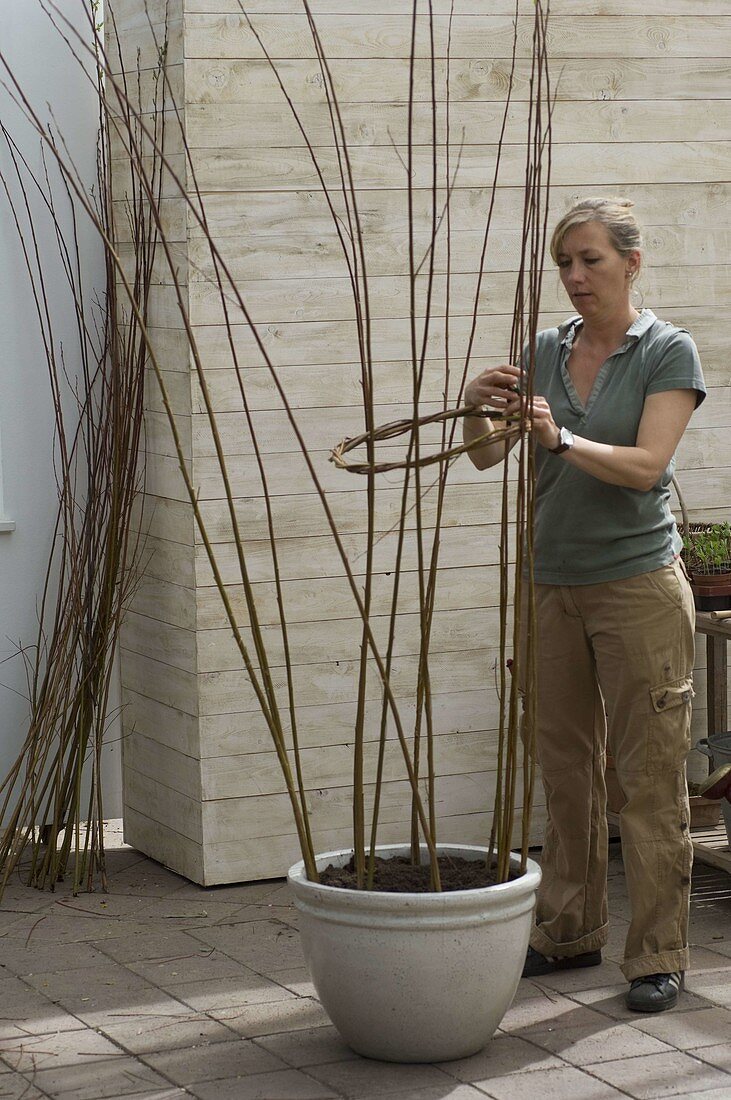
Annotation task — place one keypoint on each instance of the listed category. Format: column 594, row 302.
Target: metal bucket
column 717, row 748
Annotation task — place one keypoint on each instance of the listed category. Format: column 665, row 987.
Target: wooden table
column 711, row 845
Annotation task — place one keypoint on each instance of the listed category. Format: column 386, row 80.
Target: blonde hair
column 614, row 214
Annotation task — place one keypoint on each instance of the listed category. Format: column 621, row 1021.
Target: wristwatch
column 565, row 442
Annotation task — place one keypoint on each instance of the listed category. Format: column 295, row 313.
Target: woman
column 615, row 389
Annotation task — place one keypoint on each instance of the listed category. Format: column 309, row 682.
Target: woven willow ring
column 401, row 427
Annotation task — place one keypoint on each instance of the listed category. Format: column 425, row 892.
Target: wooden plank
column 712, row 847
column 165, row 844
column 717, row 664
column 388, row 36
column 221, row 692
column 169, row 767
column 272, row 125
column 234, row 735
column 168, row 807
column 487, row 79
column 295, row 255
column 270, row 815
column 275, row 213
column 439, row 7
column 165, row 724
column 452, row 632
column 261, row 774
column 311, row 343
column 601, row 165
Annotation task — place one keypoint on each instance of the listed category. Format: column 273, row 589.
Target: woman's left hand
column 544, row 427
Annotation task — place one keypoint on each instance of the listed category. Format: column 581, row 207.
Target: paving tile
column 265, row 946
column 110, row 990
column 362, row 1076
column 568, row 1083
column 288, row 1084
column 238, row 1058
column 151, row 1034
column 177, row 912
column 713, row 986
column 246, row 989
column 62, row 927
column 102, row 906
column 503, row 1054
column 103, row 1079
column 39, row 957
column 453, row 1091
column 242, row 893
column 63, row 1048
column 549, row 1009
column 297, row 980
column 704, row 958
column 309, row 1047
column 688, row 1030
column 17, row 898
column 718, row 1055
column 591, row 1043
column 13, row 1086
column 205, row 964
column 170, row 946
column 146, row 878
column 658, row 1075
column 25, row 1011
column 273, row 1017
column 261, row 910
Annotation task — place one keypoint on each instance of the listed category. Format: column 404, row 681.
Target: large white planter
column 415, row 977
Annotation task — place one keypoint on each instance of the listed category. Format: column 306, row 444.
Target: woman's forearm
column 489, row 453
column 629, row 467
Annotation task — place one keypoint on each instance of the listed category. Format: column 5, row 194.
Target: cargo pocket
column 668, row 742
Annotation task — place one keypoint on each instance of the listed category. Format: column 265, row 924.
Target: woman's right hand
column 497, row 388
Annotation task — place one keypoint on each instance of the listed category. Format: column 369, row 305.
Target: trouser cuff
column 665, row 962
column 593, row 941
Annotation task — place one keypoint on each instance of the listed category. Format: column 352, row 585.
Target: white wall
column 48, row 75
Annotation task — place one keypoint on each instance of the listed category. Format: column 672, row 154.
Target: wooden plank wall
column 641, row 111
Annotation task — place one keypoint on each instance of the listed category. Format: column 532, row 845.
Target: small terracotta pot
column 711, row 591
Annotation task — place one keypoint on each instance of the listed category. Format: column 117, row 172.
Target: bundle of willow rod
column 280, row 703
column 92, row 568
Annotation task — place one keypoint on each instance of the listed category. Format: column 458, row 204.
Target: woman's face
column 595, row 276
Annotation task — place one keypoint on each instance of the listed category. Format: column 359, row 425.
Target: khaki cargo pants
column 614, row 663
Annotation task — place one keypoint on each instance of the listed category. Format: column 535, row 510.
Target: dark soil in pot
column 397, row 875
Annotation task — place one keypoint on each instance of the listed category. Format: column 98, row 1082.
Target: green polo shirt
column 587, row 531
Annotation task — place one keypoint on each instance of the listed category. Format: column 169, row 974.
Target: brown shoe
column 718, row 784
